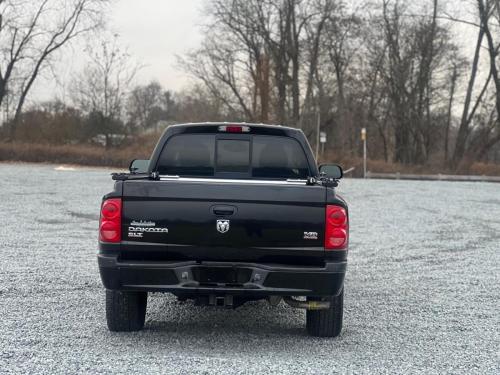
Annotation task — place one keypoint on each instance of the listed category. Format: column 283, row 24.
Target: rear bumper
column 237, row 278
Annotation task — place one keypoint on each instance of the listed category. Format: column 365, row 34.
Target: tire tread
column 125, row 311
column 327, row 323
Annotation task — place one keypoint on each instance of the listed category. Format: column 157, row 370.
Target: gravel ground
column 422, row 290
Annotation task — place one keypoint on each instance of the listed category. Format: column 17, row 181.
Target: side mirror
column 331, row 170
column 138, row 166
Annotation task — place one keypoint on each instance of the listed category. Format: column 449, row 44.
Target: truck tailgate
column 232, row 221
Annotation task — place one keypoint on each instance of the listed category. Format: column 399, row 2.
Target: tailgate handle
column 223, row 210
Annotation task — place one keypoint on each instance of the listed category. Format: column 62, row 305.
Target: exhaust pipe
column 308, row 305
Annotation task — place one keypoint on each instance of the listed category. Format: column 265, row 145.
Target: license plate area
column 228, row 276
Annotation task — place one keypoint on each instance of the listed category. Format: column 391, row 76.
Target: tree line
column 103, row 99
column 399, row 69
column 393, row 67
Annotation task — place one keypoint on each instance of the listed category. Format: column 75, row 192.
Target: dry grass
column 73, row 154
column 381, row 166
column 120, row 157
column 79, row 154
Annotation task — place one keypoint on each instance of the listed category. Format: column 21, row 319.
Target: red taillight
column 336, row 228
column 111, row 220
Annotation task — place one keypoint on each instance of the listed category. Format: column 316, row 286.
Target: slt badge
column 222, row 225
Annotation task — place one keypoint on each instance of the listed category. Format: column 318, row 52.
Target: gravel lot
column 422, row 290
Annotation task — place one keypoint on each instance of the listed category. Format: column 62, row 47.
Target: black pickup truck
column 224, row 214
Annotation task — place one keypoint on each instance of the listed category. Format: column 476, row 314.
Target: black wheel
column 326, row 323
column 125, row 311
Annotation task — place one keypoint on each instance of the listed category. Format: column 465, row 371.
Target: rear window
column 209, row 155
column 278, row 157
column 233, row 156
column 188, row 155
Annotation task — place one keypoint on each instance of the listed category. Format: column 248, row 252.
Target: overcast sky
column 154, row 31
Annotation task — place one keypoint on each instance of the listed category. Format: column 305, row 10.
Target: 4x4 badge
column 222, row 226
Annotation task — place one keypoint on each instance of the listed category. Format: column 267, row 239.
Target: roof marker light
column 234, row 129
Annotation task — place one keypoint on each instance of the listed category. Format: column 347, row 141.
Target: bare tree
column 149, row 104
column 31, row 33
column 479, row 132
column 490, row 10
column 196, row 104
column 102, row 88
column 340, row 47
column 467, row 115
column 257, row 53
column 453, row 84
column 416, row 48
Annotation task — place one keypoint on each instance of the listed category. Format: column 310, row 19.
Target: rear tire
column 125, row 311
column 326, row 323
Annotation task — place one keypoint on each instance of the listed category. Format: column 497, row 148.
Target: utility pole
column 317, row 136
column 363, row 138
